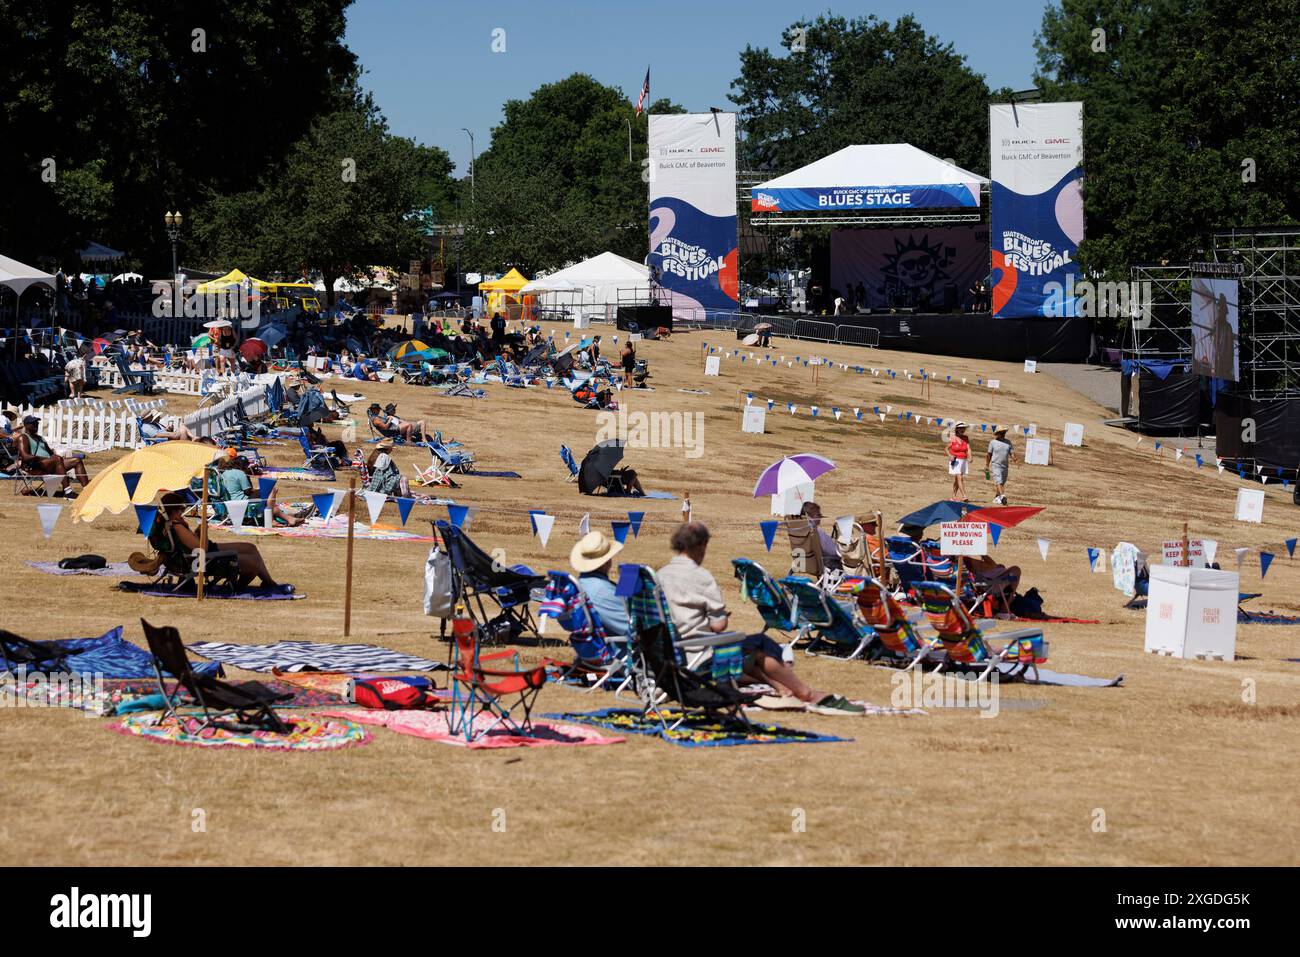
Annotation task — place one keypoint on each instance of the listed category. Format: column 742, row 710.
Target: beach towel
column 189, row 590
column 128, row 695
column 433, row 726
column 482, row 474
column 290, row 656
column 1008, row 671
column 297, row 473
column 337, row 528
column 308, row 733
column 697, row 731
column 112, row 656
column 111, row 570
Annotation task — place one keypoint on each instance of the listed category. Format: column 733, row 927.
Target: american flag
column 645, row 92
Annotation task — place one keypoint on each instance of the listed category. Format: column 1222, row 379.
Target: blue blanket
column 112, row 656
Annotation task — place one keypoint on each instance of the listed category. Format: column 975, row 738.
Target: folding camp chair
column 133, row 381
column 433, row 474
column 176, row 565
column 24, row 481
column 967, row 648
column 248, row 703
column 569, row 462
column 461, row 460
column 658, row 657
column 477, row 690
column 598, row 657
column 509, row 375
column 824, row 621
column 907, row 561
column 146, row 439
column 34, row 657
column 317, row 457
column 478, row 576
column 893, row 627
column 806, row 552
column 774, row 603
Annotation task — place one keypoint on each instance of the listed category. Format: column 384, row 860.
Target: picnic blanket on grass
column 1061, row 679
column 336, row 527
column 112, row 656
column 308, row 733
column 292, row 656
column 1244, row 617
column 188, row 590
column 111, row 570
column 481, row 474
column 433, row 726
column 697, row 731
column 296, row 472
column 122, row 695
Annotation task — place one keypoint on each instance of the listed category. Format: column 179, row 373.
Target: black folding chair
column 479, row 576
column 41, row 657
column 249, row 703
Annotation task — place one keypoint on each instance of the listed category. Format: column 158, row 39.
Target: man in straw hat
column 591, row 558
column 996, row 462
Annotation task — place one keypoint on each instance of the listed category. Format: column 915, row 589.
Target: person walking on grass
column 958, row 447
column 996, row 462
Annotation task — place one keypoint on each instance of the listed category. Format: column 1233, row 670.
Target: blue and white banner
column 1036, row 207
column 694, row 259
column 867, row 198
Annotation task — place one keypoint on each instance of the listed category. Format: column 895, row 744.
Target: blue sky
column 432, row 70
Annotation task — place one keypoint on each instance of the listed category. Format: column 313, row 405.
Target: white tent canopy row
column 598, row 281
column 887, row 176
column 18, row 276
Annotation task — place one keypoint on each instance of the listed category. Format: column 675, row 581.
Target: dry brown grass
column 1185, row 773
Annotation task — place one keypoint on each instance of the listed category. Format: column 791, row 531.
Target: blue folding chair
column 569, row 462
column 318, row 457
column 598, row 656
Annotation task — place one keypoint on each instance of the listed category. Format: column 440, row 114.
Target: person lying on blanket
column 36, row 456
column 698, row 611
column 387, row 423
column 236, row 483
column 251, row 564
column 384, row 475
column 591, row 558
column 155, row 426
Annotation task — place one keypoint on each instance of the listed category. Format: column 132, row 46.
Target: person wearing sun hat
column 958, row 447
column 591, row 558
column 996, row 463
column 384, row 474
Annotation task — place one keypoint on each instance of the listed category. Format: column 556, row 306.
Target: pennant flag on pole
column 836, row 413
column 532, row 517
column 131, row 480
column 1241, row 553
column 635, row 519
column 1265, row 559
column 769, row 532
column 265, row 486
column 339, row 496
column 1092, row 558
column 324, row 502
column 375, row 504
column 144, row 516
column 456, row 514
column 584, row 524
column 1290, row 547
column 814, row 411
column 620, row 531
column 404, row 506
column 544, row 523
column 770, row 403
column 1210, row 548
column 50, row 514
column 995, row 532
column 52, row 484
column 236, row 509
column 1199, row 460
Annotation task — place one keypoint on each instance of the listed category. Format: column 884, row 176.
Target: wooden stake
column 1187, row 550
column 203, row 538
column 347, row 592
column 880, row 536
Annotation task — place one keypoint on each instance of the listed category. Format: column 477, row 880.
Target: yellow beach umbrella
column 167, row 466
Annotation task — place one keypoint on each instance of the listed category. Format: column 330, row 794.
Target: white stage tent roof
column 600, row 280
column 888, row 178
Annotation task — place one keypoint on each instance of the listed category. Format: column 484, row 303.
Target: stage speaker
column 645, row 319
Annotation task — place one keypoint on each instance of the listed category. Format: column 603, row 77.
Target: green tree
column 860, row 80
column 557, row 183
column 1183, row 101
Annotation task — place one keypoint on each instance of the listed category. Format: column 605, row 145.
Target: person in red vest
column 958, row 460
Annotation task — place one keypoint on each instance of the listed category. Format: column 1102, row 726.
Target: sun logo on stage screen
column 917, row 264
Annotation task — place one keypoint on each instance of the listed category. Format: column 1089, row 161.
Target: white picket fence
column 88, row 425
column 186, row 383
column 222, row 415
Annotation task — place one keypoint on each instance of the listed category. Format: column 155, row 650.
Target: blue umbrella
column 948, row 511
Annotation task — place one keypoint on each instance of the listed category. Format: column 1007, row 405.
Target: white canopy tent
column 18, row 276
column 877, row 182
column 592, row 284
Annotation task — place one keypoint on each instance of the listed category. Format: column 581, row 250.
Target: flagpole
column 347, row 594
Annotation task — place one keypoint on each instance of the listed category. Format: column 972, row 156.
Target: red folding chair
column 477, row 690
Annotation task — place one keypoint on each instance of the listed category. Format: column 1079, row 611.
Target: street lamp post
column 173, row 222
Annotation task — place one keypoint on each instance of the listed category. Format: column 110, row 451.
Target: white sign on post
column 1033, row 429
column 1038, row 451
column 582, row 322
column 634, row 337
column 1172, row 552
column 1031, row 365
column 755, row 419
column 1250, row 505
column 995, row 383
column 712, row 365
column 964, row 538
column 1073, row 434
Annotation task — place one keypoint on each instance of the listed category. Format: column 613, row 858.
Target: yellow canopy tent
column 498, row 289
column 232, row 278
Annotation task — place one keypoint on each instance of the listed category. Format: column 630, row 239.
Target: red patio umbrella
column 252, row 349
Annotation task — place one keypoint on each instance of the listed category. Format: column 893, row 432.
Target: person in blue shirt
column 362, row 371
column 591, row 558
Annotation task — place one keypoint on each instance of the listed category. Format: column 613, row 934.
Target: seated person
column 360, row 370
column 592, row 558
column 155, row 426
column 1002, row 582
column 251, row 564
column 8, row 419
column 338, row 451
column 386, row 423
column 697, row 609
column 384, row 474
column 233, row 474
column 830, row 550
column 36, row 456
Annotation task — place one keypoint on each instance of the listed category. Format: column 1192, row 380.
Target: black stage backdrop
column 927, row 268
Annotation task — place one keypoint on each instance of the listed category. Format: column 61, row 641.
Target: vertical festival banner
column 694, row 259
column 1036, row 208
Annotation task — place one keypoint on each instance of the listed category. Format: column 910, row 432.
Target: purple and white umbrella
column 791, row 471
